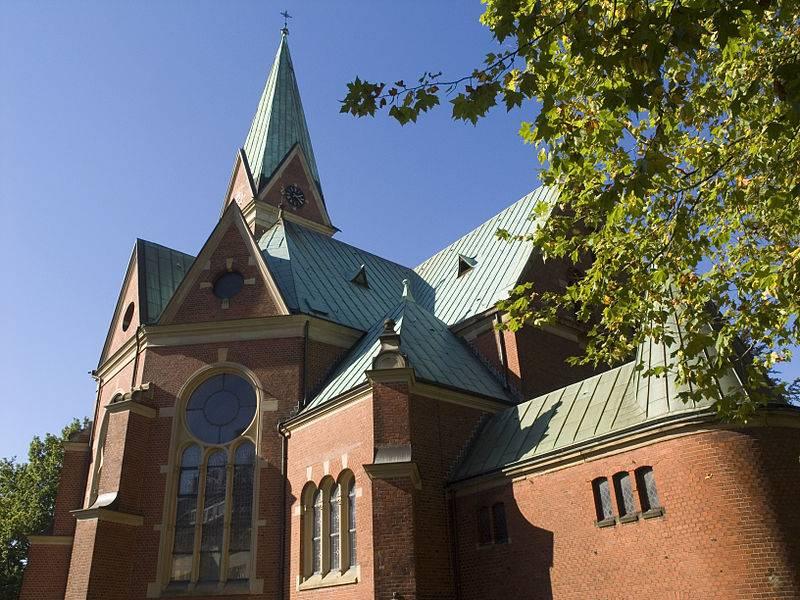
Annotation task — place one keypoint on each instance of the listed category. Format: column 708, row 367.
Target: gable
column 241, row 188
column 126, row 318
column 229, row 253
column 294, row 171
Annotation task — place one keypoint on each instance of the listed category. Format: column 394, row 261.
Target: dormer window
column 465, row 264
column 360, row 278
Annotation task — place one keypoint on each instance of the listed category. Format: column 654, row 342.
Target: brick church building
column 286, row 416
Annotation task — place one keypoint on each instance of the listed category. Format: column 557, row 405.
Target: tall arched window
column 316, row 541
column 602, row 500
column 351, row 523
column 624, row 493
column 648, row 495
column 334, row 519
column 214, row 507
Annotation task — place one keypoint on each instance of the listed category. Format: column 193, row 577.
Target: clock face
column 294, row 196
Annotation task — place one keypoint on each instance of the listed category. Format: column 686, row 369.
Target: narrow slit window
column 499, row 525
column 213, row 521
column 646, row 484
column 484, row 526
column 241, row 512
column 624, row 492
column 602, row 499
column 316, row 534
column 334, row 519
column 351, row 523
column 186, row 515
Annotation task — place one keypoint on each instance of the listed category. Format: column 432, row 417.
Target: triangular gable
column 229, row 250
column 129, row 294
column 242, row 187
column 294, row 171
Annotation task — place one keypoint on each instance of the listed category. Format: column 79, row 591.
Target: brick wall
column 342, row 439
column 45, row 576
column 731, row 529
column 294, row 174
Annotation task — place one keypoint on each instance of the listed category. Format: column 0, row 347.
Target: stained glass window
column 316, row 533
column 624, row 493
column 499, row 523
column 213, row 524
column 186, row 513
column 602, row 498
column 646, row 484
column 351, row 522
column 334, row 518
column 484, row 526
column 241, row 512
column 221, row 408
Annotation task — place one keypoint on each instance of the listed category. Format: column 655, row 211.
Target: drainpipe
column 99, row 381
column 305, row 365
column 284, row 520
column 451, row 497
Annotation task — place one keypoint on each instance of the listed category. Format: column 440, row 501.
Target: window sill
column 229, row 588
column 330, row 580
column 609, row 522
column 631, row 518
column 653, row 513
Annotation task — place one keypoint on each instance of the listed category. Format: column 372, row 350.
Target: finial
column 286, row 16
column 407, row 291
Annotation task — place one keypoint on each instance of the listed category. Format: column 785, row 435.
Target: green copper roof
column 279, row 122
column 315, row 275
column 161, row 270
column 491, row 267
column 609, row 403
column 436, row 354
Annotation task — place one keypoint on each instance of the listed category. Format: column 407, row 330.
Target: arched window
column 328, row 550
column 334, row 519
column 186, row 513
column 241, row 512
column 602, row 500
column 648, row 495
column 624, row 493
column 212, row 538
column 351, row 523
column 316, row 539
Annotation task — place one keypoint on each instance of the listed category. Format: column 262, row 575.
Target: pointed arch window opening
column 215, row 494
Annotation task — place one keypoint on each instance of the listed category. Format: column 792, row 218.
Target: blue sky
column 120, row 120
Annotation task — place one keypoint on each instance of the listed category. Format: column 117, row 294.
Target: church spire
column 279, row 123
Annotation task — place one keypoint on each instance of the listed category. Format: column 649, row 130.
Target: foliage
column 27, row 501
column 671, row 129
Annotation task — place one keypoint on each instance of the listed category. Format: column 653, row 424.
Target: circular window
column 221, row 408
column 228, row 285
column 128, row 317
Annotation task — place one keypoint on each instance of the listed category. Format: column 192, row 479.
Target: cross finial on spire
column 286, row 16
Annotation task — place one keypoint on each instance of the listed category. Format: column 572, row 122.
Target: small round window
column 221, row 408
column 228, row 285
column 127, row 317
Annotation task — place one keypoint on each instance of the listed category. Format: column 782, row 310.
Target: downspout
column 304, row 401
column 284, row 517
column 451, row 498
column 99, row 381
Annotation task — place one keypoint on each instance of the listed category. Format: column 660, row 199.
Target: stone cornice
column 395, row 470
column 187, row 334
column 75, row 446
column 50, row 540
column 106, row 514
